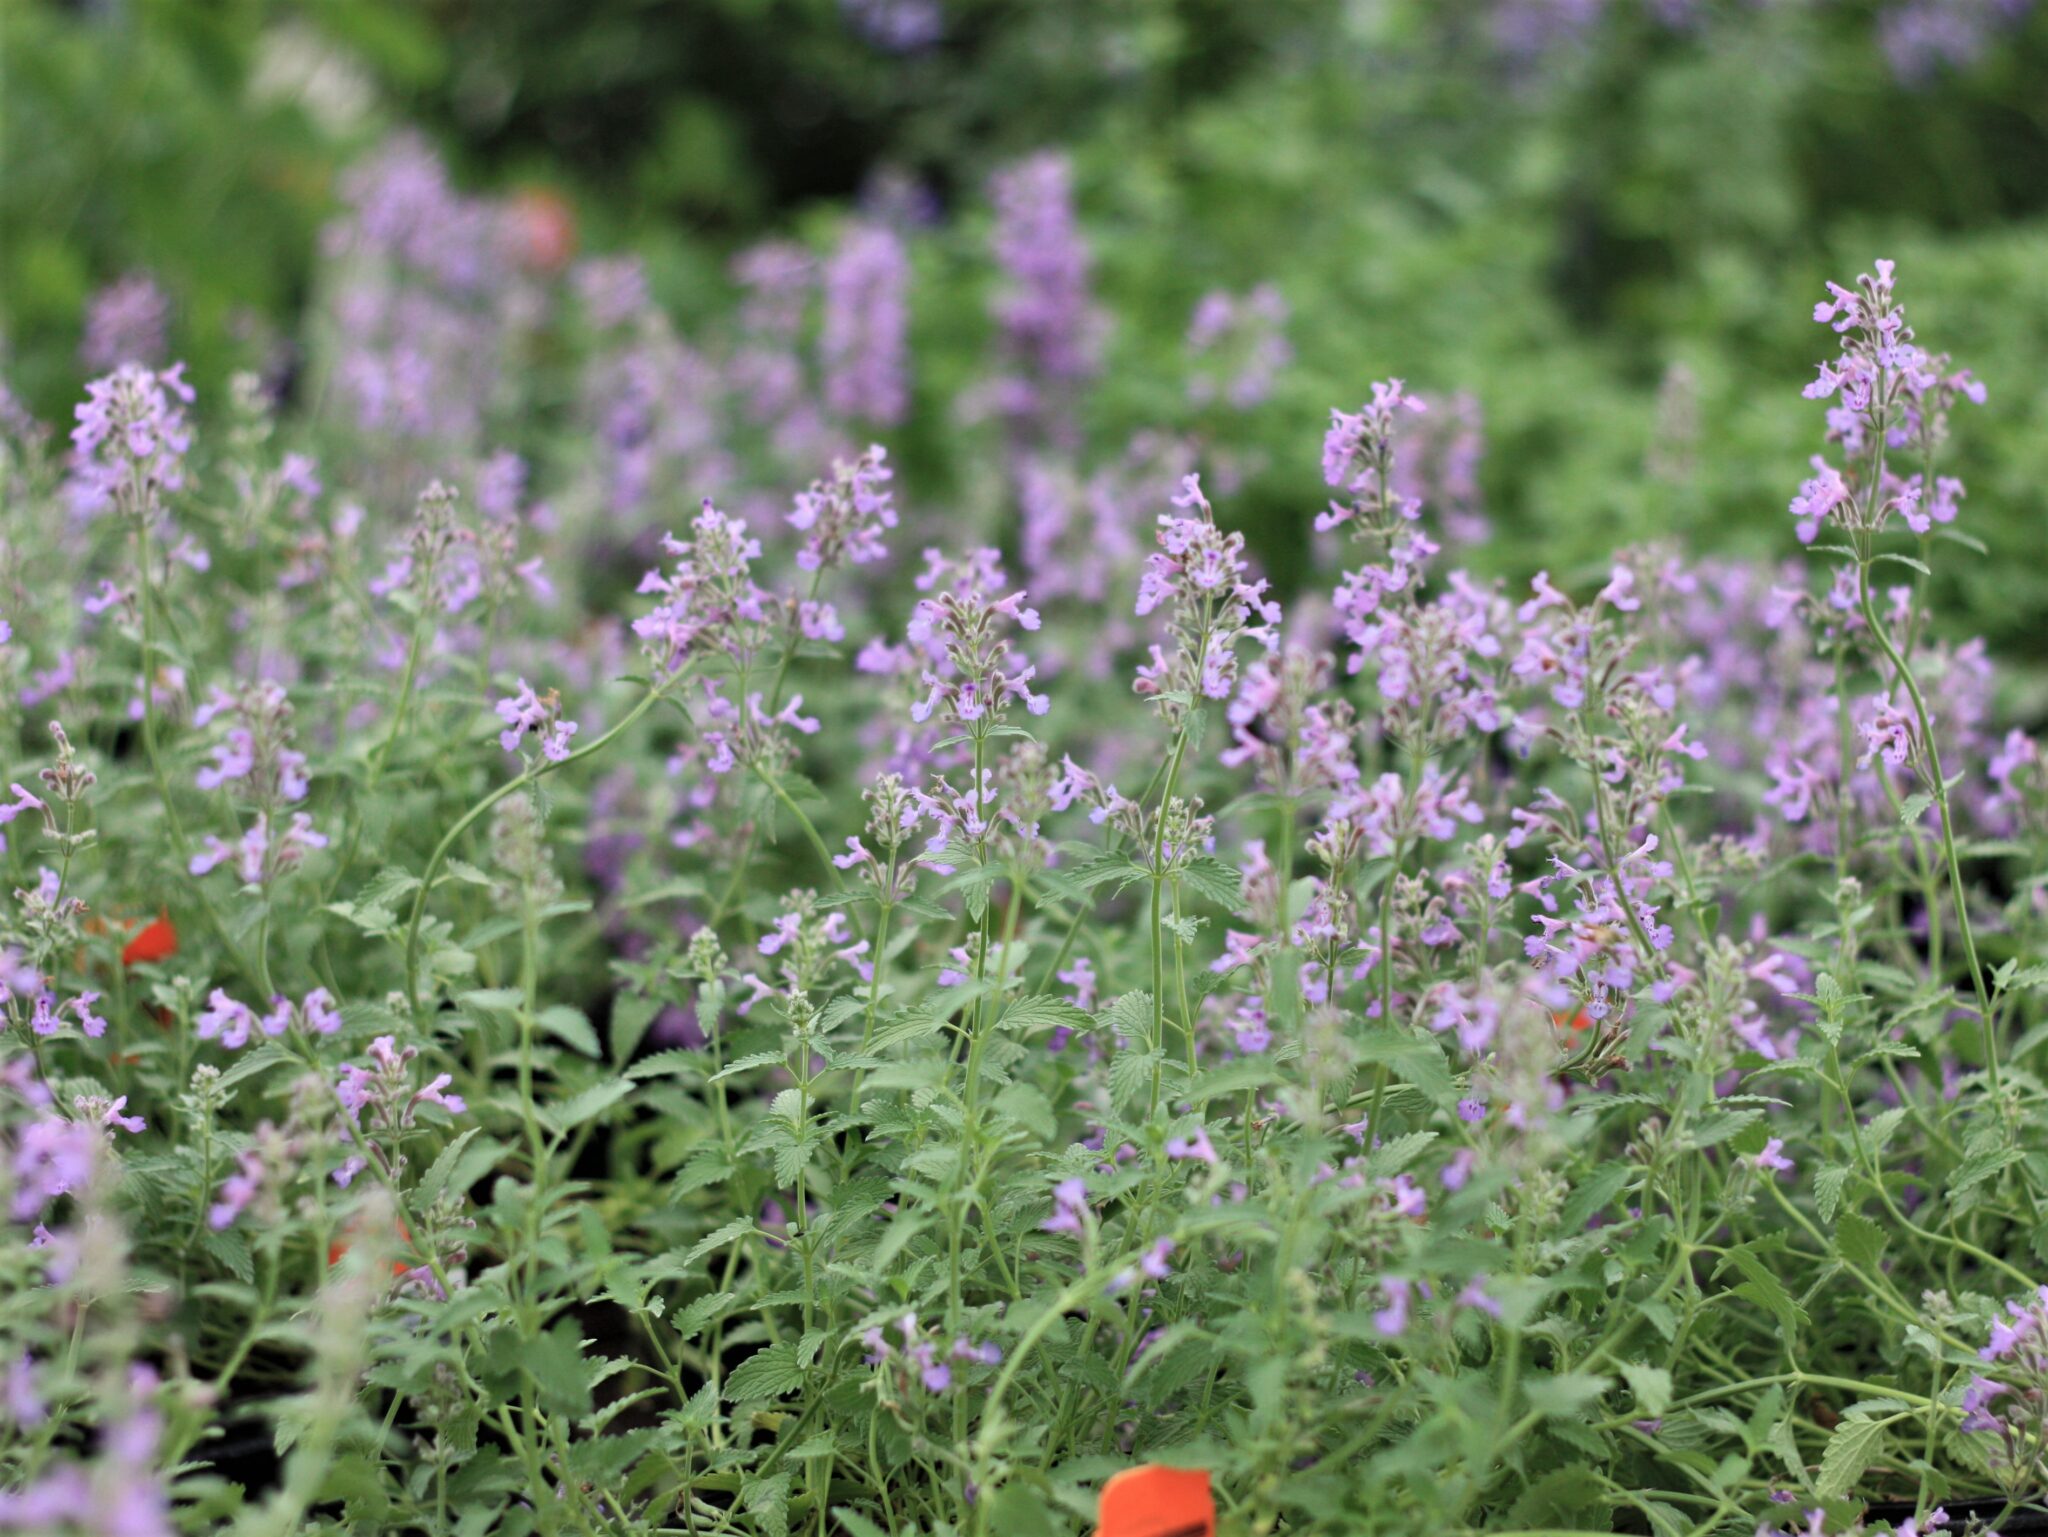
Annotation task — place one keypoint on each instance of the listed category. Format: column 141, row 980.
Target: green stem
column 469, row 818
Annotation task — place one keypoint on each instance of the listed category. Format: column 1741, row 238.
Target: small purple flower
column 225, row 1020
column 237, row 1191
column 321, row 1016
column 539, row 714
column 1070, row 1207
column 1392, row 1319
column 1888, row 733
column 1475, row 1296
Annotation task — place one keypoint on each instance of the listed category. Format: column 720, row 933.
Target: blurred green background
column 1608, row 222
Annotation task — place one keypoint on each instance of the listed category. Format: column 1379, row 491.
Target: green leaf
column 1980, row 1167
column 739, row 1227
column 1030, row 1109
column 767, row 1373
column 1592, row 1195
column 1210, row 877
column 632, row 1014
column 911, row 1026
column 1129, row 1016
column 1567, row 1499
column 386, row 887
column 572, row 1027
column 489, row 1002
column 1761, row 1285
column 1567, row 1395
column 697, row 1317
column 1413, row 1059
column 1652, row 1386
column 588, row 1105
column 1860, row 1241
column 555, row 1361
column 1719, row 1126
column 1827, row 1190
column 257, row 1062
column 1850, row 1450
column 748, row 1063
column 435, row 1179
column 677, row 1059
column 1043, row 1011
column 1130, row 1075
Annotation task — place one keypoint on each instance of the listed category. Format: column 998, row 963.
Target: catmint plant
column 830, row 1043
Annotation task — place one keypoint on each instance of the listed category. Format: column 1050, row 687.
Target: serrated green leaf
column 1850, row 1450
column 768, row 1373
column 1652, row 1387
column 585, row 1106
column 1043, row 1011
column 1827, row 1190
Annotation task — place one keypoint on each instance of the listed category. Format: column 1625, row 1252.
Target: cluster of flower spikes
column 1618, row 718
column 897, row 815
column 1891, row 398
column 128, row 321
column 1238, row 343
column 1082, row 537
column 2012, row 1405
column 1252, row 949
column 49, row 1154
column 119, row 1490
column 905, row 743
column 710, row 603
column 1165, row 837
column 1297, row 741
column 258, row 763
column 1612, row 934
column 961, row 632
column 1890, row 405
column 806, row 942
column 445, row 564
column 1435, row 661
column 917, row 1359
column 427, row 297
column 234, row 1024
column 843, row 519
column 767, row 375
column 380, row 1105
column 129, row 446
column 651, row 401
column 861, row 341
column 1051, row 331
column 1199, row 575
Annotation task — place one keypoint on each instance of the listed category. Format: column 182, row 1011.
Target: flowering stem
column 156, row 762
column 469, row 818
column 1938, row 787
column 803, row 821
column 1158, row 1043
column 382, row 755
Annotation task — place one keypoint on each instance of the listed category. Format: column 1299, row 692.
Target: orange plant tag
column 1157, row 1502
column 337, row 1251
column 157, row 942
